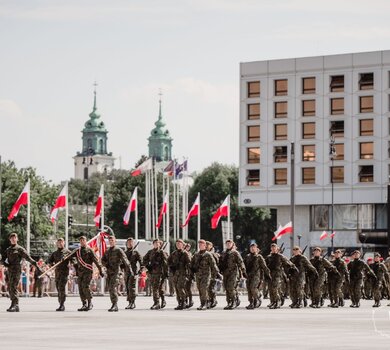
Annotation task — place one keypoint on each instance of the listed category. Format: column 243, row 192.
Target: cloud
column 9, row 109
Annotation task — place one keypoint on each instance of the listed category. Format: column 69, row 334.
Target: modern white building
column 333, row 106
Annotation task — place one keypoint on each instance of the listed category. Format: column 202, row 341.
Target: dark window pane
column 253, row 133
column 308, row 108
column 281, row 87
column 308, row 130
column 366, row 81
column 281, row 109
column 253, row 178
column 309, row 85
column 254, row 111
column 366, row 173
column 337, row 83
column 336, row 106
column 280, row 131
column 254, row 89
column 337, row 128
column 280, row 154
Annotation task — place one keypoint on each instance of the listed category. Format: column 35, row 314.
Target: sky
column 52, row 52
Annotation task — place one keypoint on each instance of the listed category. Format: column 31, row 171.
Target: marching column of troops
column 275, row 275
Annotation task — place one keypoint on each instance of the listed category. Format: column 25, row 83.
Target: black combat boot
column 89, row 306
column 203, row 306
column 229, row 306
column 128, row 307
column 114, row 308
column 251, row 306
column 213, row 303
column 190, row 303
column 83, row 307
column 258, row 302
column 132, row 306
column 275, row 306
column 155, row 306
column 282, row 301
column 179, row 306
column 13, row 308
column 61, row 307
column 237, row 302
column 305, row 302
column 163, row 303
column 270, row 305
column 292, row 305
column 341, row 302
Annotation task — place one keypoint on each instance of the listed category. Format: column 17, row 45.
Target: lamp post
column 299, row 240
column 332, row 155
column 88, row 160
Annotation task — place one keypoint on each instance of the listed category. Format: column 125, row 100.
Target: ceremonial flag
column 168, row 171
column 60, row 203
column 181, row 167
column 223, row 210
column 282, row 231
column 98, row 244
column 99, row 206
column 332, row 234
column 162, row 211
column 22, row 200
column 146, row 165
column 324, row 235
column 193, row 211
column 131, row 207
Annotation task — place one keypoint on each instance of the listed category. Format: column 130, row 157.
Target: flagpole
column 153, row 209
column 174, row 200
column 167, row 228
column 155, row 197
column 136, row 216
column 147, row 232
column 198, row 235
column 164, row 221
column 28, row 233
column 228, row 224
column 66, row 216
column 102, row 229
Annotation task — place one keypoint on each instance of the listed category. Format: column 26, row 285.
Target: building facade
column 333, row 112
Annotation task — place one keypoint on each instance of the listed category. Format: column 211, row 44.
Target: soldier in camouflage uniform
column 37, row 289
column 85, row 258
column 322, row 265
column 275, row 262
column 298, row 278
column 232, row 267
column 255, row 267
column 212, row 292
column 61, row 271
column 204, row 267
column 356, row 268
column 135, row 260
column 190, row 278
column 156, row 262
column 336, row 280
column 368, row 283
column 179, row 263
column 112, row 259
column 14, row 255
column 380, row 271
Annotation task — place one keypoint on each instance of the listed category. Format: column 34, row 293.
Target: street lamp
column 332, row 155
column 88, row 160
column 299, row 240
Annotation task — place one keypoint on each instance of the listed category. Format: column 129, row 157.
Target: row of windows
column 366, row 174
column 366, row 128
column 366, row 105
column 336, row 84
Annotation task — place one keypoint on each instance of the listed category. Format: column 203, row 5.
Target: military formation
column 301, row 279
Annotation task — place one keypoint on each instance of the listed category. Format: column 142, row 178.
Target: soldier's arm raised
column 23, row 253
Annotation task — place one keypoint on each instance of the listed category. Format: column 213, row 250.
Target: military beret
column 274, row 245
column 369, row 259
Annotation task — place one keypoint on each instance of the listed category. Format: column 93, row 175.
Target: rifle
column 164, row 245
column 281, row 247
column 303, row 251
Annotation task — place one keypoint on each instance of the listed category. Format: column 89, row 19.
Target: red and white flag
column 146, row 165
column 98, row 244
column 60, row 203
column 131, row 207
column 193, row 211
column 332, row 234
column 324, row 235
column 99, row 207
column 283, row 230
column 22, row 200
column 163, row 211
column 223, row 210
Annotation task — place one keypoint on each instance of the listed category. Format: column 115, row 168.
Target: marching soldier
column 179, row 263
column 255, row 265
column 380, row 271
column 336, row 280
column 61, row 271
column 112, row 260
column 356, row 268
column 135, row 260
column 204, row 267
column 190, row 278
column 298, row 278
column 14, row 255
column 155, row 261
column 212, row 292
column 37, row 289
column 85, row 258
column 232, row 267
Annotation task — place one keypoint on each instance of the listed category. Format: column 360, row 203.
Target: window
column 308, row 108
column 366, row 150
column 280, row 131
column 254, row 111
column 336, row 106
column 339, row 148
column 253, row 155
column 337, row 128
column 366, row 81
column 366, row 173
column 280, row 154
column 308, row 176
column 366, row 104
column 308, row 130
column 253, row 133
column 254, row 89
column 280, row 176
column 281, row 109
column 308, row 153
column 366, row 127
column 281, row 87
column 308, row 85
column 86, row 173
column 253, row 178
column 337, row 174
column 337, row 83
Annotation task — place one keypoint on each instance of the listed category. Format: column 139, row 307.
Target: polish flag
column 162, row 211
column 131, row 207
column 22, row 200
column 146, row 165
column 98, row 244
column 99, row 205
column 60, row 203
column 223, row 210
column 324, row 235
column 193, row 211
column 332, row 234
column 282, row 231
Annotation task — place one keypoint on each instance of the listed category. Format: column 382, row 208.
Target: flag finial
column 94, row 96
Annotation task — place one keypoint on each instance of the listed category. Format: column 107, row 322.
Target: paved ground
column 37, row 326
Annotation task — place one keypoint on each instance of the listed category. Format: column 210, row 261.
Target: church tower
column 94, row 156
column 160, row 141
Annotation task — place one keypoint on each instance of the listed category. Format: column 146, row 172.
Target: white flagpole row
column 156, row 199
column 66, row 216
column 136, row 216
column 28, row 238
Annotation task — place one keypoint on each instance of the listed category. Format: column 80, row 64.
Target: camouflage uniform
column 179, row 265
column 134, row 258
column 255, row 268
column 356, row 268
column 380, row 271
column 155, row 261
column 204, row 267
column 336, row 281
column 112, row 259
column 14, row 255
column 212, row 292
column 298, row 279
column 37, row 284
column 317, row 284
